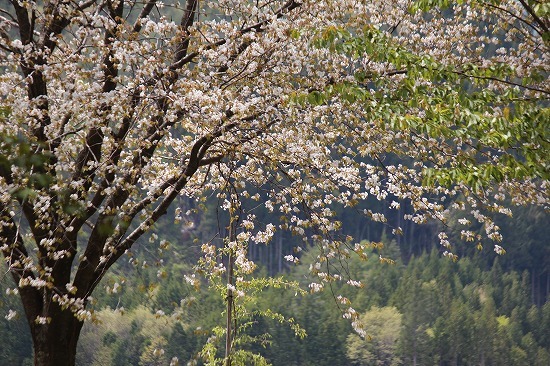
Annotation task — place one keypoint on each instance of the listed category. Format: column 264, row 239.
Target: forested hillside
column 424, row 309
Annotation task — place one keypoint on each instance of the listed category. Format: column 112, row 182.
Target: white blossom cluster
column 116, row 115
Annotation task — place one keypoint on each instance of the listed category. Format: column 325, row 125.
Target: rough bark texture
column 55, row 343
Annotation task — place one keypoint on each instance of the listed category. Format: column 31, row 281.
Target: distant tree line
column 430, row 311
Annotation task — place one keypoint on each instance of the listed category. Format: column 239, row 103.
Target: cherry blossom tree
column 111, row 109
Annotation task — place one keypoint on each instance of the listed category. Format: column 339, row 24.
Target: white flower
column 355, row 283
column 291, row 258
column 11, row 314
column 315, row 287
column 42, row 320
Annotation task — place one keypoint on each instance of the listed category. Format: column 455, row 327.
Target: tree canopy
column 110, row 110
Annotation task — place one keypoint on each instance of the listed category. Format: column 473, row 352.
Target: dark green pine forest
column 423, row 309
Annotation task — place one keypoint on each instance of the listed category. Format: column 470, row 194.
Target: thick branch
column 85, row 278
column 113, row 159
column 186, row 23
column 197, row 154
column 144, row 13
column 91, row 152
column 24, row 24
column 16, row 255
column 55, row 26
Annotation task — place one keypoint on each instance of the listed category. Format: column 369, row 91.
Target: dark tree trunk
column 55, row 342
